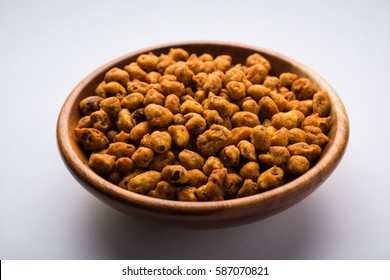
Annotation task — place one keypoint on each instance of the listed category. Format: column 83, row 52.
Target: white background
column 48, row 47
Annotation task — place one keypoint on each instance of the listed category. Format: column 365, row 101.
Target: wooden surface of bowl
column 212, row 214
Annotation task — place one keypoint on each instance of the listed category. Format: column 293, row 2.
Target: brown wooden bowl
column 202, row 214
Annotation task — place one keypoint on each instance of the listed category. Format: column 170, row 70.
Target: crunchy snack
column 303, row 88
column 113, row 89
column 158, row 116
column 245, row 119
column 90, row 104
column 215, row 187
column 91, row 139
column 125, row 121
column 138, row 132
column 321, row 103
column 230, row 156
column 120, row 149
column 248, row 188
column 164, row 190
column 160, row 141
column 141, row 183
column 195, row 123
column 311, row 152
column 261, row 138
column 161, row 160
column 270, row 179
column 124, row 165
column 180, row 135
column 101, row 163
column 100, row 120
column 117, row 75
column 196, row 178
column 247, row 150
column 297, row 165
column 250, row 170
column 214, row 139
column 190, row 160
column 194, row 127
column 211, row 164
column 175, row 174
column 277, row 155
column 142, row 157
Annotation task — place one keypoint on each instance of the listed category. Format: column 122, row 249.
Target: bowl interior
column 221, row 213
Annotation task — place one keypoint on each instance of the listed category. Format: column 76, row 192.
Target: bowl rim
column 323, row 167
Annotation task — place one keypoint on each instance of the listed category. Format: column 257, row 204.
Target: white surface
column 47, row 47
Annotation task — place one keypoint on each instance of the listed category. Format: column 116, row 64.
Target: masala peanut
column 196, row 127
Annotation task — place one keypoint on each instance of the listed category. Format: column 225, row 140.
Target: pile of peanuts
column 191, row 127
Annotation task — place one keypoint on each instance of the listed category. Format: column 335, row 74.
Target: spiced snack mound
column 194, row 127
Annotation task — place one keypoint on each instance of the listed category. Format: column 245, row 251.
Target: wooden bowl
column 202, row 214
